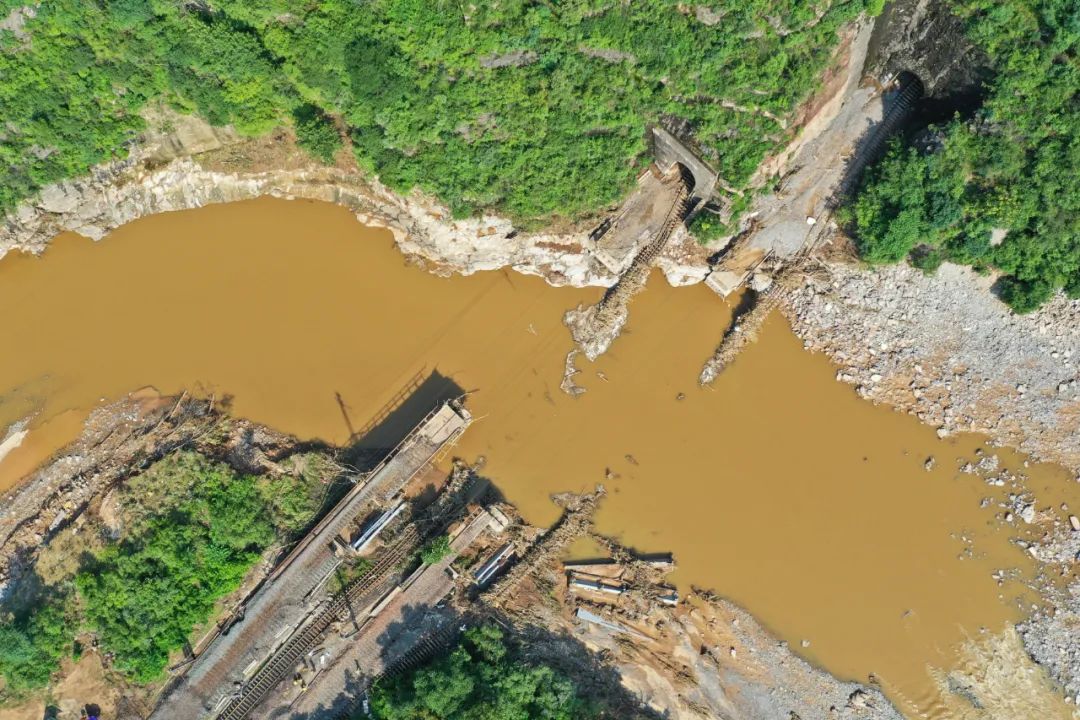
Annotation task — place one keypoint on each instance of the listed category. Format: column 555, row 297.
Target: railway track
column 284, row 661
column 424, row 650
column 614, row 303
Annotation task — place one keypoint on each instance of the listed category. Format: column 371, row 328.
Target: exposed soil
column 82, row 683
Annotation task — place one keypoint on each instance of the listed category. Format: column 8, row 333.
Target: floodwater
column 778, row 487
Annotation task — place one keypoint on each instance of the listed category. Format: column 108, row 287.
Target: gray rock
column 60, row 198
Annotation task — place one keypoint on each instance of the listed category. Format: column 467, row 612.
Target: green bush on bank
column 315, row 132
column 32, row 644
column 1013, row 168
column 435, row 550
column 144, row 596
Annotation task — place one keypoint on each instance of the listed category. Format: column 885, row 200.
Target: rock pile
column 945, row 349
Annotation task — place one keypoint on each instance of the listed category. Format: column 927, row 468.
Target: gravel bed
column 945, row 349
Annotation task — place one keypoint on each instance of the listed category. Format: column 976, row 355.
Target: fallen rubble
column 942, row 347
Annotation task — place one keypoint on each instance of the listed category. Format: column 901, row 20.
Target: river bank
column 295, row 351
column 939, row 346
column 894, row 333
column 72, row 501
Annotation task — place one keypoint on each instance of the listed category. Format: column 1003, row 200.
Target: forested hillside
column 1000, row 190
column 532, row 108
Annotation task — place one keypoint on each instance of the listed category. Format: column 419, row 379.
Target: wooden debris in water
column 576, row 521
column 742, row 333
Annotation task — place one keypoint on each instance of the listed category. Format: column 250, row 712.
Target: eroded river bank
column 779, row 487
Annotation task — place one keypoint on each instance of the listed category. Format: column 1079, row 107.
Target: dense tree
column 193, row 528
column 144, row 596
column 1000, row 190
column 483, row 678
column 33, row 643
column 315, row 132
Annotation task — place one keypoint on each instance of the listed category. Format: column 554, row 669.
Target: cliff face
column 167, row 171
column 126, row 191
column 924, row 37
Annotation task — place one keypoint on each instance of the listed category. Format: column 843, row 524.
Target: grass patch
column 435, row 550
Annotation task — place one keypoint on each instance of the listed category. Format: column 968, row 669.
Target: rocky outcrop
column 924, row 37
column 165, row 172
column 127, row 191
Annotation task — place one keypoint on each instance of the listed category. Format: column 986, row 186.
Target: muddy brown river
column 778, row 487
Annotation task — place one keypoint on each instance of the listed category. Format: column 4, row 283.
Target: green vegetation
column 1012, row 168
column 192, row 530
column 349, row 570
column 435, row 550
column 707, row 226
column 294, row 497
column 483, row 678
column 534, row 109
column 315, row 132
column 71, row 94
column 144, row 596
column 32, row 645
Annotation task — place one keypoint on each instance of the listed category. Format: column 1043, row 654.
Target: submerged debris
column 743, row 332
column 594, row 328
column 568, row 385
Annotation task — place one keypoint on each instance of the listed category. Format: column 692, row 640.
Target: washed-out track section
column 285, row 606
column 411, row 613
column 284, row 661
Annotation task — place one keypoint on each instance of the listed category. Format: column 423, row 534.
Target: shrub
column 31, row 646
column 435, row 550
column 316, row 133
column 144, row 595
column 293, row 498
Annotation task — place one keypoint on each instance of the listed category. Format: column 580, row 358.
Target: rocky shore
column 175, row 170
column 944, row 348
